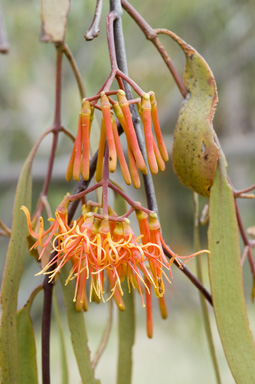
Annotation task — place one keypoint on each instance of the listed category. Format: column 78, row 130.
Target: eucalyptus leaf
column 227, row 282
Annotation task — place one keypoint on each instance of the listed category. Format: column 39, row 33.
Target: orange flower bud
column 142, row 218
column 160, row 161
column 69, row 171
column 81, row 301
column 120, row 154
column 149, row 318
column 85, row 125
column 146, row 119
column 116, row 292
column 133, row 169
column 106, row 110
column 157, row 130
column 131, row 136
column 101, row 149
column 78, row 149
column 162, row 307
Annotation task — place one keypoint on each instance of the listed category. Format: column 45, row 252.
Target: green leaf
column 204, row 307
column 12, row 276
column 226, row 280
column 26, row 344
column 126, row 337
column 64, row 365
column 78, row 332
column 13, row 271
column 54, row 18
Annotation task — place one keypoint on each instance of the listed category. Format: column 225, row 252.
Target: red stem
column 48, row 288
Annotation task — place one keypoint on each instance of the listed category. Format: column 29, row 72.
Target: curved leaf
column 205, row 312
column 226, row 280
column 13, row 270
column 26, row 344
column 77, row 328
column 12, row 276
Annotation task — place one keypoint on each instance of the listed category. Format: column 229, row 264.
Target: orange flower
column 101, row 248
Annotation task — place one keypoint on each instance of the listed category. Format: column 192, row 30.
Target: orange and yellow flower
column 104, row 249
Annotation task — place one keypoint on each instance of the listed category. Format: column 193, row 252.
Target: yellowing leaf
column 54, row 18
column 227, row 282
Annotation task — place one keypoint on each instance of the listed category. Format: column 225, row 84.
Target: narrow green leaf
column 205, row 312
column 126, row 337
column 78, row 332
column 13, row 271
column 226, row 281
column 12, row 276
column 26, row 344
column 64, row 365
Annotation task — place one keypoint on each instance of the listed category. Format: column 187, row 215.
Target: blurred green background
column 224, row 33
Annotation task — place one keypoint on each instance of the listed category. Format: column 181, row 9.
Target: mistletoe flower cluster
column 156, row 151
column 104, row 248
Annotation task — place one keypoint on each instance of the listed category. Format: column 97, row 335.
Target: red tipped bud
column 149, row 318
column 154, row 116
column 131, row 135
column 106, row 110
column 145, row 113
column 85, row 125
column 120, row 154
column 142, row 218
column 101, row 149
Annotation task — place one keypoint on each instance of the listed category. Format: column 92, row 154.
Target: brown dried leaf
column 54, row 18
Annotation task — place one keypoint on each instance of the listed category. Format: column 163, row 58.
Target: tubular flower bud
column 133, row 169
column 132, row 139
column 101, row 149
column 142, row 219
column 145, row 113
column 79, row 159
column 157, row 130
column 86, row 125
column 156, row 152
column 106, row 111
column 120, row 154
column 149, row 318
